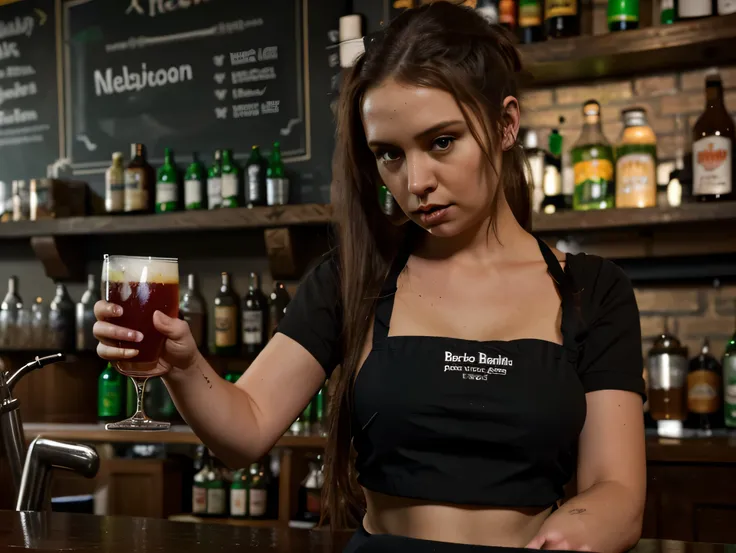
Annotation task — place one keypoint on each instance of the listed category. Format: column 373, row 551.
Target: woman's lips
column 435, row 216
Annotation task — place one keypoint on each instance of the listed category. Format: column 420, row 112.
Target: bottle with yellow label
column 636, row 161
column 562, row 18
column 592, row 161
column 704, row 392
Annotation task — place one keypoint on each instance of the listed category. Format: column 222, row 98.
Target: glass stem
column 140, row 386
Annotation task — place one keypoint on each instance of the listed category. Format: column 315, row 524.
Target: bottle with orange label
column 507, row 15
column 636, row 162
column 592, row 159
column 704, row 392
column 713, row 146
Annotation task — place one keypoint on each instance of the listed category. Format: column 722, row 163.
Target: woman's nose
column 422, row 180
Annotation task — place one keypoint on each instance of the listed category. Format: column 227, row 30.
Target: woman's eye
column 442, row 143
column 389, row 156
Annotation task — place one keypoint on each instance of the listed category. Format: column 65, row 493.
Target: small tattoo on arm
column 577, row 511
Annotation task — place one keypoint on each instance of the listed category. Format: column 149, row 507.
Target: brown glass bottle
column 668, row 379
column 139, row 182
column 713, row 144
column 278, row 301
column 705, row 392
column 562, row 18
column 227, row 328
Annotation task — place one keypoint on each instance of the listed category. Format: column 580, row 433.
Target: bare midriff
column 477, row 525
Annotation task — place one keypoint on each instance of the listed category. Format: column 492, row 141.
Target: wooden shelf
column 618, row 219
column 659, row 48
column 96, row 433
column 179, row 221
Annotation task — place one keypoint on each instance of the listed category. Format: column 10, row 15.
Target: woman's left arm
column 606, row 515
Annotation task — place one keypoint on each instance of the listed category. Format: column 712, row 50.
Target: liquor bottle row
column 699, row 394
column 253, row 492
column 59, row 325
column 242, row 326
column 603, row 176
column 538, row 20
column 137, row 188
column 243, row 493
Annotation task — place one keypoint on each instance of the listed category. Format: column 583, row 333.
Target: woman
column 479, row 369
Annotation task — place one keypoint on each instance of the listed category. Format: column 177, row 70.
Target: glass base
column 145, row 425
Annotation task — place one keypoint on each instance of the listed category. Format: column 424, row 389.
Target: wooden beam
column 62, row 258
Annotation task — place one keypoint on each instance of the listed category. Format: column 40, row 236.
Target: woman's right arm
column 240, row 423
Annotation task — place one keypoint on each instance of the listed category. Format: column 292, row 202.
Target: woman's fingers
column 111, row 352
column 103, row 330
column 104, row 310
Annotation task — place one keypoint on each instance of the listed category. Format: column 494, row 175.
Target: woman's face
column 428, row 158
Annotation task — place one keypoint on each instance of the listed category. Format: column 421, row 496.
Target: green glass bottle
column 667, row 12
column 214, row 182
column 239, row 494
column 623, row 15
column 110, row 395
column 167, row 189
column 277, row 185
column 255, row 192
column 195, row 185
column 257, row 491
column 729, row 381
column 230, row 195
column 592, row 160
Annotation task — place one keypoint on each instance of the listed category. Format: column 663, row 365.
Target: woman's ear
column 511, row 119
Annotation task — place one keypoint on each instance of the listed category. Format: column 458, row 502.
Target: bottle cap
column 634, row 117
column 591, row 107
column 531, row 139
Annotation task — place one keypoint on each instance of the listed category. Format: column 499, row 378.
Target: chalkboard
column 29, row 101
column 192, row 75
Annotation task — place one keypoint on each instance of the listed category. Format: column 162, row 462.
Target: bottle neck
column 276, row 156
column 191, row 284
column 713, row 95
column 226, row 157
column 253, row 283
column 12, row 286
column 225, row 282
column 90, row 282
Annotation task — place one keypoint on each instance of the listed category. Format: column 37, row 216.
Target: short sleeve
column 314, row 318
column 611, row 357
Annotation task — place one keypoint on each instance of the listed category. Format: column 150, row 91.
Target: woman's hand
column 179, row 351
column 564, row 530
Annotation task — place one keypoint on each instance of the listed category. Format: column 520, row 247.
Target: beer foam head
column 141, row 269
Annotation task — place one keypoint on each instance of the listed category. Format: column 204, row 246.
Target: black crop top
column 470, row 422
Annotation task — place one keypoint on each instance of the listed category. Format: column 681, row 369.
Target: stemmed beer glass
column 141, row 285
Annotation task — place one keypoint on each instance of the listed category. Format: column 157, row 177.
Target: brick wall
column 673, row 102
column 692, row 313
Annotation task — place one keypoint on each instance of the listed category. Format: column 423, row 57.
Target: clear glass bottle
column 256, row 185
column 9, row 309
column 192, row 310
column 592, row 159
column 62, row 319
column 85, row 316
column 636, row 161
column 115, row 185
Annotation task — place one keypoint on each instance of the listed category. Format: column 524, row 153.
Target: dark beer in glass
column 141, row 286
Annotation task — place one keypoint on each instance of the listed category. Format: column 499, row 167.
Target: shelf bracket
column 281, row 250
column 62, row 257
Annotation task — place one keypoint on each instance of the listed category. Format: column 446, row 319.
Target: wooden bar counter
column 45, row 532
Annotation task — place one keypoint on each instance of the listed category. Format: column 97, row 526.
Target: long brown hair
column 441, row 46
